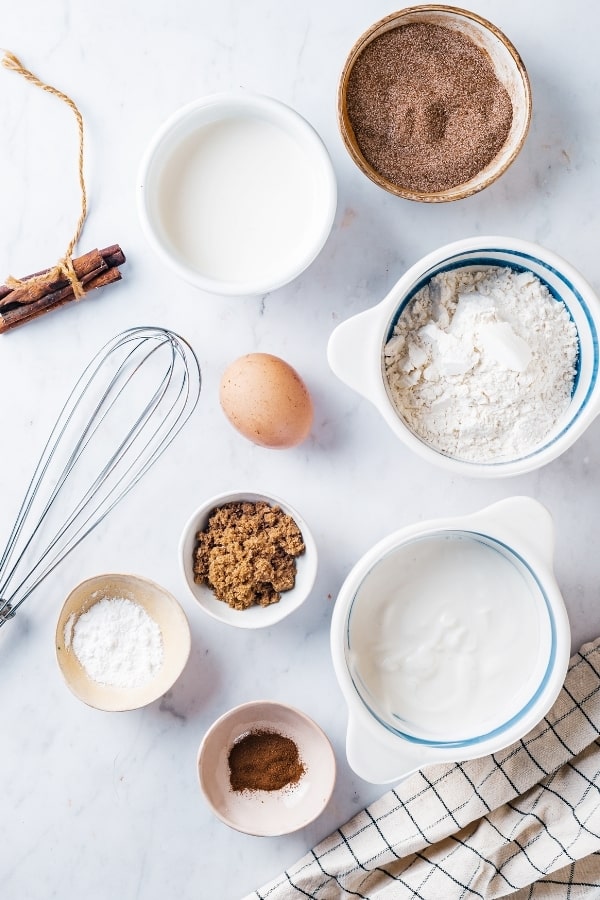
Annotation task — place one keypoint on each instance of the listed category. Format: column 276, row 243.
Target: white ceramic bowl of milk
column 237, row 193
column 450, row 640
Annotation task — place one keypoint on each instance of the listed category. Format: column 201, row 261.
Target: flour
column 116, row 642
column 481, row 364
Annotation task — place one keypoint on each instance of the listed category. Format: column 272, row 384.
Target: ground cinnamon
column 264, row 761
column 426, row 107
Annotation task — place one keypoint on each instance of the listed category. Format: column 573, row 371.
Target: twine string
column 64, row 268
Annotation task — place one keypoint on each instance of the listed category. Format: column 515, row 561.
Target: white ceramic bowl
column 254, row 616
column 382, row 746
column 356, row 347
column 247, row 211
column 159, row 604
column 267, row 813
column 508, row 67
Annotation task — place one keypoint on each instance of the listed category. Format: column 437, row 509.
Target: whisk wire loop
column 126, row 408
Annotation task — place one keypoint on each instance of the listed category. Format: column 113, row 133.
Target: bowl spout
column 352, row 349
column 378, row 762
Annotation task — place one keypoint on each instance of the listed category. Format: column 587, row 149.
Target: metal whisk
column 127, row 406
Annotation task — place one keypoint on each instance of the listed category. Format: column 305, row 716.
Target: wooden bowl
column 509, row 70
column 160, row 605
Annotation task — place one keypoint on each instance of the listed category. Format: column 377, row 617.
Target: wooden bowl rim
column 347, row 133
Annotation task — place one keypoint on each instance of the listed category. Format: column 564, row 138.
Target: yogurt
column 448, row 637
column 238, row 199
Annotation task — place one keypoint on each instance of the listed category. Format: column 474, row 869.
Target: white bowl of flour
column 483, row 358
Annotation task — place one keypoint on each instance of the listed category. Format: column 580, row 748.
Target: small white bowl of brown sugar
column 249, row 559
column 434, row 103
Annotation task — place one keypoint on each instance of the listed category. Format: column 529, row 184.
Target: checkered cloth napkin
column 523, row 823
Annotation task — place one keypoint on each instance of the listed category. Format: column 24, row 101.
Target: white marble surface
column 102, row 805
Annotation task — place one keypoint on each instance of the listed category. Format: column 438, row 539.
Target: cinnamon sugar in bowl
column 434, row 103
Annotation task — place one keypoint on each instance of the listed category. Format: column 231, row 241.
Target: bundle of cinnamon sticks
column 35, row 295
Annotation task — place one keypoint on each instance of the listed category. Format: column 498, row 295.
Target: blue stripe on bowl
column 479, row 739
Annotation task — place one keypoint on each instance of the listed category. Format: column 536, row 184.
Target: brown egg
column 265, row 399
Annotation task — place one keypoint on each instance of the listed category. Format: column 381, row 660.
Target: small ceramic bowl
column 161, row 606
column 356, row 346
column 509, row 70
column 236, row 193
column 267, row 813
column 254, row 616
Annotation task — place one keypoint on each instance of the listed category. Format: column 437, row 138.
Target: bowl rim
column 347, row 132
column 276, row 612
column 543, row 600
column 125, row 705
column 308, row 721
column 292, row 122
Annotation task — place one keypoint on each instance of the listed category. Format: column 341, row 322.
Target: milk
column 238, row 199
column 448, row 638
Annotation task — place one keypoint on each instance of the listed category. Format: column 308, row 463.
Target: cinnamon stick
column 19, row 315
column 32, row 290
column 83, row 265
column 28, row 301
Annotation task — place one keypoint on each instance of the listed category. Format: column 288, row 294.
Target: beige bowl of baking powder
column 148, row 600
column 426, row 129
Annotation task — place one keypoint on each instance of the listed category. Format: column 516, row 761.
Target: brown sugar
column 247, row 553
column 264, row 761
column 426, row 107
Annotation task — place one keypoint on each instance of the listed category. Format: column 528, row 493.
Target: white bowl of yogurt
column 450, row 639
column 495, row 372
column 236, row 193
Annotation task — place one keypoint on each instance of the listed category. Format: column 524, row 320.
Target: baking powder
column 116, row 642
column 481, row 364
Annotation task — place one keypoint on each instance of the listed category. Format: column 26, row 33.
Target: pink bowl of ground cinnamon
column 266, row 768
column 434, row 103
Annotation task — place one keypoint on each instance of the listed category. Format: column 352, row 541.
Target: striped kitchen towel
column 523, row 823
